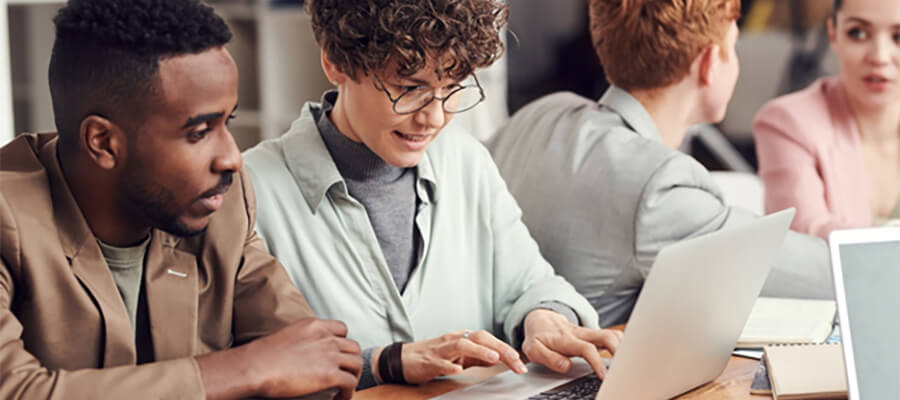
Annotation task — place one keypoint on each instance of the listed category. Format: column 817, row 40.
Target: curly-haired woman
column 407, row 235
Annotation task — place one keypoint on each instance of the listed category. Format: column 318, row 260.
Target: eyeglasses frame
column 380, row 85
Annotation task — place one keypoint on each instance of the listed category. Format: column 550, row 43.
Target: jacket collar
column 838, row 104
column 632, row 112
column 74, row 231
column 172, row 289
column 312, row 167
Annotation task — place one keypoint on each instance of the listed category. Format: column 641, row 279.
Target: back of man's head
column 649, row 44
column 107, row 52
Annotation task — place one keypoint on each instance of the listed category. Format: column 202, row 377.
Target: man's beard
column 158, row 206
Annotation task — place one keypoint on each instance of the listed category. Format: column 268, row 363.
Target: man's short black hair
column 107, row 52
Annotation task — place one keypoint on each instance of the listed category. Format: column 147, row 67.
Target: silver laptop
column 866, row 266
column 683, row 328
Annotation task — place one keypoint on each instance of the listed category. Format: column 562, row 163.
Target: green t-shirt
column 127, row 267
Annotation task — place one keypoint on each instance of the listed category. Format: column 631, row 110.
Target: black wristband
column 390, row 364
column 395, row 362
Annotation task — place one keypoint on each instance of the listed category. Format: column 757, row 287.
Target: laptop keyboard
column 585, row 387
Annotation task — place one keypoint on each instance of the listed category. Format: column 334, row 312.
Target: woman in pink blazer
column 833, row 149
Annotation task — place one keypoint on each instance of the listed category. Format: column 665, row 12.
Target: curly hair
column 107, row 52
column 647, row 44
column 371, row 35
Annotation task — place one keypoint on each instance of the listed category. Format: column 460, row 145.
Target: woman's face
column 866, row 37
column 364, row 112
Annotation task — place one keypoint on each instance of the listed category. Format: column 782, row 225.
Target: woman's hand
column 550, row 339
column 451, row 353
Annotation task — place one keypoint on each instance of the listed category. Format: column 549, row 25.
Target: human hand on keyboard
column 451, row 353
column 550, row 339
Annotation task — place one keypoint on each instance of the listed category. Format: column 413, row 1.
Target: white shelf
column 34, row 33
column 290, row 71
column 6, row 97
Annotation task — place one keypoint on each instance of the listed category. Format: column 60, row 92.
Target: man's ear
column 708, row 62
column 332, row 71
column 832, row 30
column 103, row 141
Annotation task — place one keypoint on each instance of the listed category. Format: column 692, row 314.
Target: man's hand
column 308, row 356
column 550, row 339
column 451, row 353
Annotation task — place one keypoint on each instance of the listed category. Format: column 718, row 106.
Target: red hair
column 647, row 44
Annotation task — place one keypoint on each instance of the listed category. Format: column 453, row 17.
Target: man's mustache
column 221, row 188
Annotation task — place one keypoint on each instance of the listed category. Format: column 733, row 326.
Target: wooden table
column 733, row 383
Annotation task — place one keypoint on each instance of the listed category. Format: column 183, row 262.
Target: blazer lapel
column 88, row 264
column 171, row 286
column 91, row 270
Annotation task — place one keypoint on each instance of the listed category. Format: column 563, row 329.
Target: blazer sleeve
column 265, row 298
column 22, row 376
column 788, row 166
column 680, row 201
column 523, row 279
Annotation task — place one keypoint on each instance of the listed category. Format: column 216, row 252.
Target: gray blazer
column 602, row 195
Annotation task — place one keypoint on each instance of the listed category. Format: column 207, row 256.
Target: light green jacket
column 479, row 268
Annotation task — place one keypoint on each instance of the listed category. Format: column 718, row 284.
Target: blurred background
column 783, row 47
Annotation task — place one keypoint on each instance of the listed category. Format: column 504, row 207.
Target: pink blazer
column 810, row 157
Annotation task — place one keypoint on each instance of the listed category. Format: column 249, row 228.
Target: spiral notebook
column 781, row 321
column 806, row 371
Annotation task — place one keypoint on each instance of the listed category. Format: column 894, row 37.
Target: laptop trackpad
column 508, row 385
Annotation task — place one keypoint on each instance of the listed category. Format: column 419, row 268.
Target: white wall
column 6, row 117
column 35, row 22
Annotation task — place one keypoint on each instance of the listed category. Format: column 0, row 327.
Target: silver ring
column 466, row 334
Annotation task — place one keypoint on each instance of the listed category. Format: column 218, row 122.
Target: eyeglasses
column 462, row 98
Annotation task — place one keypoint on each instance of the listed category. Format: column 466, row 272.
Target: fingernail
column 520, row 368
column 512, row 355
column 564, row 364
column 493, row 356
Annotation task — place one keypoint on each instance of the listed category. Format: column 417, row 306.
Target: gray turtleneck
column 388, row 193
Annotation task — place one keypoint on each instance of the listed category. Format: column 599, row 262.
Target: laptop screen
column 871, row 275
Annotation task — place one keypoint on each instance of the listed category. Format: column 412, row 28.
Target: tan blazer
column 64, row 330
